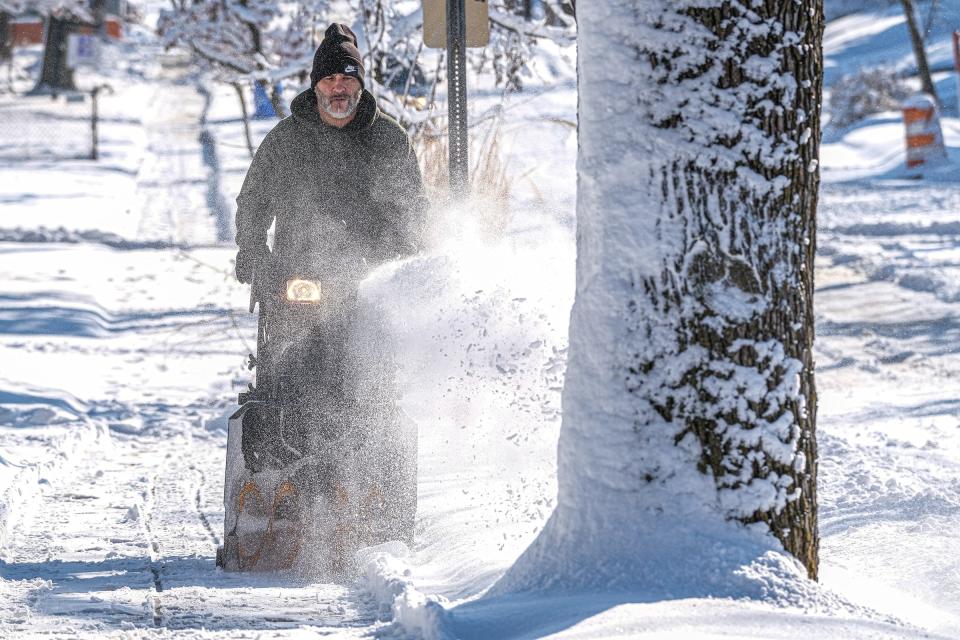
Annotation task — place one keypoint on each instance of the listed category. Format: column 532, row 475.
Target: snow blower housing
column 320, row 460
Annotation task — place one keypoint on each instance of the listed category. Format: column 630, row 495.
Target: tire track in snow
column 20, row 496
column 201, row 483
column 156, row 564
column 128, row 542
column 76, row 565
column 198, row 595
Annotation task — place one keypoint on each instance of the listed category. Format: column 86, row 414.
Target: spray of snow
column 480, row 334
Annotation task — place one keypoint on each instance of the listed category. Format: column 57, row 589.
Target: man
column 340, row 180
column 338, row 176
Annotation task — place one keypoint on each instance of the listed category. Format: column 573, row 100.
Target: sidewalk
column 176, row 178
column 157, row 179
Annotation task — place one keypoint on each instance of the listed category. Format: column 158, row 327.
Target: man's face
column 338, row 95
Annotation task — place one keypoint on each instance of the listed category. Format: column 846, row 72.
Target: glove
column 247, row 260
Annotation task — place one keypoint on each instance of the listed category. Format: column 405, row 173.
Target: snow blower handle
column 253, row 289
column 256, row 280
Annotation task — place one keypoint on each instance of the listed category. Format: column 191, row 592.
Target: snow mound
column 677, row 592
column 387, row 578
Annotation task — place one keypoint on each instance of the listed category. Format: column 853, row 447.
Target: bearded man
column 339, row 177
column 340, row 180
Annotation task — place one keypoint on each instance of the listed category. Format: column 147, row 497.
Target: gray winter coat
column 344, row 199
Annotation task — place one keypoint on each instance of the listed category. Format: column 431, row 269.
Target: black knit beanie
column 337, row 53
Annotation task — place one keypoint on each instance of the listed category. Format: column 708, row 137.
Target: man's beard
column 326, row 104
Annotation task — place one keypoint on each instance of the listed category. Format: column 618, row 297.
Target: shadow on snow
column 194, row 595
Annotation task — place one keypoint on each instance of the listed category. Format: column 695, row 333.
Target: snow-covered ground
column 123, row 337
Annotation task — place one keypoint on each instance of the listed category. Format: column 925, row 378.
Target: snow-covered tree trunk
column 689, row 403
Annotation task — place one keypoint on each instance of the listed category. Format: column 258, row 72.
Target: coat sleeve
column 256, row 203
column 411, row 200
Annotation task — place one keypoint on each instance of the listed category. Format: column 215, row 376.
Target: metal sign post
column 457, row 98
column 456, row 25
column 95, row 118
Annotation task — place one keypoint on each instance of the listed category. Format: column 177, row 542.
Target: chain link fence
column 47, row 128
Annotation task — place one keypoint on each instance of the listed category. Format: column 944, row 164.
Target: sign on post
column 456, row 25
column 82, row 49
column 435, row 23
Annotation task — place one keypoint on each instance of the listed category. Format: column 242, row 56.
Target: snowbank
column 387, row 579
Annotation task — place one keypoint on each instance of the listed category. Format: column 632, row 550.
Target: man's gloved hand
column 249, row 258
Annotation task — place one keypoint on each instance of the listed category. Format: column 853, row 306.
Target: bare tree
column 689, row 398
column 919, row 50
column 514, row 33
column 244, row 40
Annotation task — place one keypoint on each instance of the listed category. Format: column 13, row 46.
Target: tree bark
column 54, row 74
column 6, row 41
column 752, row 243
column 919, row 50
column 689, row 401
column 743, row 244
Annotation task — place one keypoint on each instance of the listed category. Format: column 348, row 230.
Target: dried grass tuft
column 490, row 183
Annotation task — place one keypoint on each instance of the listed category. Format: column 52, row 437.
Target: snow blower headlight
column 305, row 291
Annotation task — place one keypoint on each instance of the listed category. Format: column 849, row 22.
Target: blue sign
column 263, row 108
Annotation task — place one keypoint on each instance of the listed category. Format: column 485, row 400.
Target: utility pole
column 919, row 51
column 99, row 10
column 956, row 63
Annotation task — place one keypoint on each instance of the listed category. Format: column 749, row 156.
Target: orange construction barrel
column 924, row 136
